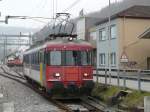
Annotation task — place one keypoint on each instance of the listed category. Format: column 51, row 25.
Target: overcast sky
column 44, row 8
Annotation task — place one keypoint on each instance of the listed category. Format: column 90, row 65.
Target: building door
column 148, row 63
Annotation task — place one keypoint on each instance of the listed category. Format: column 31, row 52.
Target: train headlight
column 85, row 75
column 70, row 39
column 57, row 74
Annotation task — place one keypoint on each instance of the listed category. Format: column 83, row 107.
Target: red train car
column 60, row 64
column 14, row 62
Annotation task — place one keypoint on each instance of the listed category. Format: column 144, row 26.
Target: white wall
column 81, row 28
column 93, row 35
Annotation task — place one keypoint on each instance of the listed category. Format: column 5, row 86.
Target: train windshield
column 78, row 58
column 70, row 58
column 55, row 58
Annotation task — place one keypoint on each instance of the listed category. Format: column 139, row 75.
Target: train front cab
column 70, row 70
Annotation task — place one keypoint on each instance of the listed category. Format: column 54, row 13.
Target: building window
column 113, row 31
column 113, row 58
column 102, row 59
column 102, row 34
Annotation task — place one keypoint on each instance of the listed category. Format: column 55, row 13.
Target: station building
column 125, row 28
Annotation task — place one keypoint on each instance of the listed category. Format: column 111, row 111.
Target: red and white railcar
column 60, row 63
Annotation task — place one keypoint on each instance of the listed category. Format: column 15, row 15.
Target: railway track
column 80, row 105
column 16, row 70
column 68, row 104
column 17, row 76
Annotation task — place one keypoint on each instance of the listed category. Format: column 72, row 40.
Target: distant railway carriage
column 60, row 63
column 14, row 62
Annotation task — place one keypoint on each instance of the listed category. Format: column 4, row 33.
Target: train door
column 42, row 68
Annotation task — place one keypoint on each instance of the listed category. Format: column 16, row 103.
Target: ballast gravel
column 23, row 98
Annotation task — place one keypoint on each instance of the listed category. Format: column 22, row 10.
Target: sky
column 44, row 8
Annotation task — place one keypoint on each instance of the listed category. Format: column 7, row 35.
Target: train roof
column 61, row 44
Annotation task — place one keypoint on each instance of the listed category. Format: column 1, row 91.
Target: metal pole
column 139, row 80
column 118, row 77
column 124, row 79
column 96, row 75
column 109, row 42
column 96, row 70
column 56, row 5
column 19, row 40
column 6, row 50
column 53, row 8
column 105, row 76
column 30, row 39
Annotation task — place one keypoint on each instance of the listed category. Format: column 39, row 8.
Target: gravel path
column 23, row 98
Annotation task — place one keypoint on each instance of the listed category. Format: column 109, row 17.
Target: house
column 125, row 28
column 146, row 35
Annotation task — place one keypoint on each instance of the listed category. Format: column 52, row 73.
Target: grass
column 104, row 93
column 133, row 99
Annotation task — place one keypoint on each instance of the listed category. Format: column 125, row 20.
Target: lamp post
column 109, row 42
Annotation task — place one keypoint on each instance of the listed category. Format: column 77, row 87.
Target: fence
column 135, row 78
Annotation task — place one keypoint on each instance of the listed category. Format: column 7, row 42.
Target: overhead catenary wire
column 38, row 20
column 56, row 5
column 28, row 17
column 44, row 3
column 53, row 8
column 38, row 6
column 72, row 5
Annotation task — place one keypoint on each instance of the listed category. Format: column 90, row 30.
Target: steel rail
column 12, row 74
column 42, row 93
column 85, row 102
